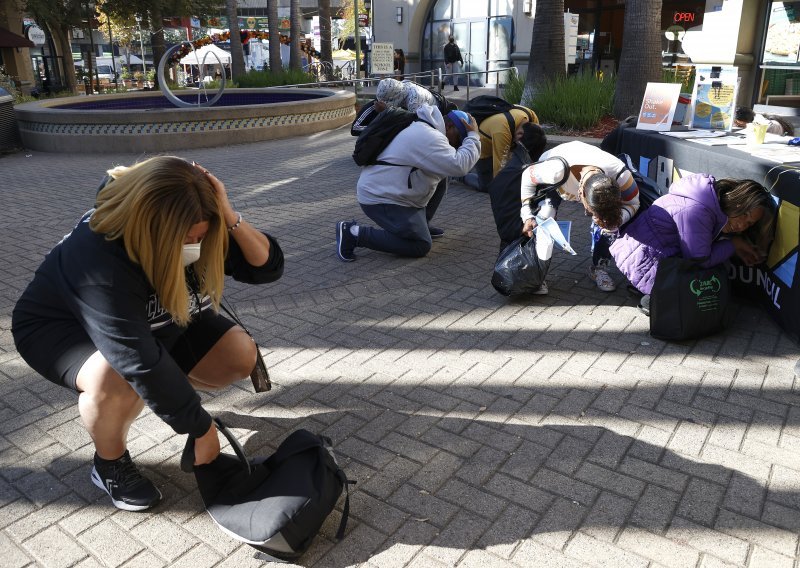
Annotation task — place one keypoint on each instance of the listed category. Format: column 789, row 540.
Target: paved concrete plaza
column 549, row 431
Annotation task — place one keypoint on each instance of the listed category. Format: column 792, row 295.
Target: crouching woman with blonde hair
column 124, row 311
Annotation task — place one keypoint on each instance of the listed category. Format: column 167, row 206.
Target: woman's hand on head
column 472, row 125
column 206, row 447
column 746, row 251
column 226, row 208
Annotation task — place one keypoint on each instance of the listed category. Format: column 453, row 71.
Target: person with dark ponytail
column 700, row 218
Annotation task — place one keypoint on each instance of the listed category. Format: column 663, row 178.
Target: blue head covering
column 455, row 116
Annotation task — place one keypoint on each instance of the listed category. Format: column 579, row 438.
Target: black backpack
column 484, row 106
column 381, row 131
column 275, row 504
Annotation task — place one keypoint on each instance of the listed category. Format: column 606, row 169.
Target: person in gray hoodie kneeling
column 400, row 192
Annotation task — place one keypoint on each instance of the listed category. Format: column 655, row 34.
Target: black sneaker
column 345, row 241
column 436, row 232
column 456, row 88
column 129, row 490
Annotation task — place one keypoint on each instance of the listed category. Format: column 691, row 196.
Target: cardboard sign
column 658, row 106
column 383, row 58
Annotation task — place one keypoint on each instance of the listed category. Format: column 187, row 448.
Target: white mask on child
column 191, row 253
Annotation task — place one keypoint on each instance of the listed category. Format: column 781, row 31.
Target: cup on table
column 756, row 133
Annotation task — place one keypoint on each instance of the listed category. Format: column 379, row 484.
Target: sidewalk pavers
column 545, row 431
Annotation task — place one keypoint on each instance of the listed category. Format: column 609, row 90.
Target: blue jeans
column 404, row 230
column 601, row 244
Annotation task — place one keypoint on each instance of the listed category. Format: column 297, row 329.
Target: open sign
column 683, row 17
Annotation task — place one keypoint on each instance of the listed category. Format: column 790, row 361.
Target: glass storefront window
column 783, row 34
column 441, row 34
column 500, row 38
column 470, row 9
column 501, row 8
column 442, row 10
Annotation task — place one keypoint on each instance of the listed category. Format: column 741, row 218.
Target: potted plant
column 151, row 77
column 138, row 76
column 126, row 76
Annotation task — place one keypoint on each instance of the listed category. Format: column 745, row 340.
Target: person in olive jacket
column 124, row 311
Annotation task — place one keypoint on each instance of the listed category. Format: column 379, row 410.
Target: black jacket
column 452, row 53
column 90, row 281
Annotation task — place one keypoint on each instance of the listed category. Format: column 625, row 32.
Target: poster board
column 383, row 58
column 714, row 97
column 658, row 106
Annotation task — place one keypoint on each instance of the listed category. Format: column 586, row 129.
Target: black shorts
column 59, row 351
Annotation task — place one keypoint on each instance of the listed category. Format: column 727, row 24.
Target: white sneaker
column 542, row 291
column 601, row 277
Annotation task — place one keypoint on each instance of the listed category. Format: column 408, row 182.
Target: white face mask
column 191, row 254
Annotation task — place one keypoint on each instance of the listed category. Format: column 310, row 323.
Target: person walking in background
column 399, row 64
column 452, row 60
column 123, row 311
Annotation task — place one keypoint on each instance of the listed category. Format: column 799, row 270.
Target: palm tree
column 237, row 53
column 275, row 64
column 547, row 59
column 640, row 60
column 295, row 54
column 326, row 53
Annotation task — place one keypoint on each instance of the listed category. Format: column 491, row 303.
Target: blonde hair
column 152, row 206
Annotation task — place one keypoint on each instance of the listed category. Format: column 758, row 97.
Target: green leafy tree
column 60, row 16
column 152, row 13
column 123, row 32
column 640, row 60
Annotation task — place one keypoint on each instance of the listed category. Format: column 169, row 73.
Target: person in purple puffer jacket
column 700, row 218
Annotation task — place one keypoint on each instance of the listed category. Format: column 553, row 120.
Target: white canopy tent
column 205, row 56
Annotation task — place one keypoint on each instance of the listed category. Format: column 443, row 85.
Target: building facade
column 496, row 33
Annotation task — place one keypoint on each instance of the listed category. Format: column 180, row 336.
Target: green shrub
column 515, row 85
column 576, row 102
column 275, row 79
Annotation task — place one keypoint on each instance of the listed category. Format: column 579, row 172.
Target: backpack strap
column 413, row 168
column 512, row 124
column 187, row 457
column 346, row 483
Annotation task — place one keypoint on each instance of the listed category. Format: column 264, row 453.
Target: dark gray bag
column 277, row 504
